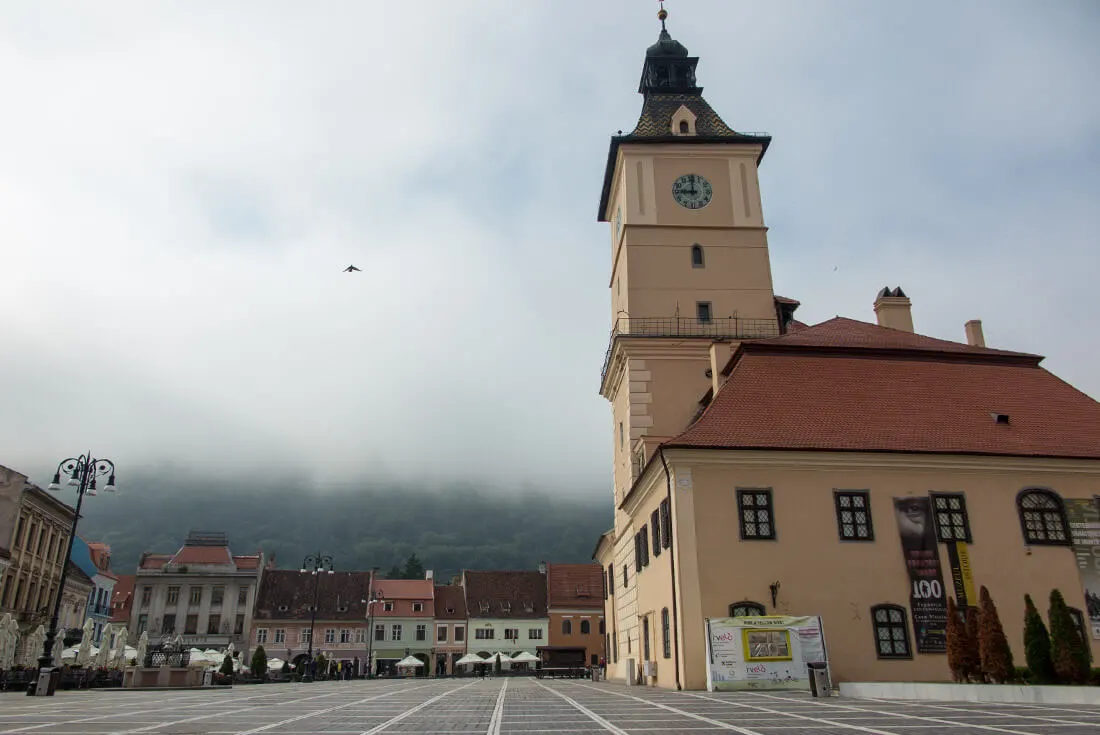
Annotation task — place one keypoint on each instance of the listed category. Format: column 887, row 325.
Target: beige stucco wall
column 821, row 575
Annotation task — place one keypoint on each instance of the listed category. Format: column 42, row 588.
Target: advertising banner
column 958, row 559
column 1084, row 526
column 762, row 652
column 927, row 598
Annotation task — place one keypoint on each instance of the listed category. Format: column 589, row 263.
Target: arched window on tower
column 566, row 627
column 745, row 608
column 697, row 256
column 684, row 127
column 1043, row 518
column 586, row 627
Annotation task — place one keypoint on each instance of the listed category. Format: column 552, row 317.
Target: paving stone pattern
column 516, row 705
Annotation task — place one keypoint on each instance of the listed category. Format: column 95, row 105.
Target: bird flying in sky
column 351, row 268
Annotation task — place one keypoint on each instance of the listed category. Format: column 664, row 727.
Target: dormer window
column 484, row 606
column 683, row 121
column 418, row 607
column 506, row 606
column 387, row 606
column 283, row 608
column 341, row 608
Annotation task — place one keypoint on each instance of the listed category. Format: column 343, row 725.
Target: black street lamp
column 82, row 472
column 316, row 565
column 376, row 596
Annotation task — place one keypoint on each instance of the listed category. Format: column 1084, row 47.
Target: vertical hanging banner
column 1084, row 527
column 958, row 559
column 927, row 599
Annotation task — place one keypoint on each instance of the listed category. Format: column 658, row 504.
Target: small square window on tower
column 702, row 311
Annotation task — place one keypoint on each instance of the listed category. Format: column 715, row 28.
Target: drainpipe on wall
column 672, row 567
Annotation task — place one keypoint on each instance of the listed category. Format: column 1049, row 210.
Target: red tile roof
column 247, row 562
column 506, row 594
column 401, row 594
column 575, row 585
column 202, row 555
column 153, row 561
column 288, row 594
column 847, row 385
column 450, row 603
column 122, row 598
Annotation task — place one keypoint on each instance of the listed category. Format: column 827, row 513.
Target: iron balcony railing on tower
column 719, row 328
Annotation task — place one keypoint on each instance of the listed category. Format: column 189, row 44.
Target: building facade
column 450, row 629
column 856, row 471
column 122, row 599
column 38, row 526
column 78, row 591
column 507, row 612
column 403, row 624
column 285, row 621
column 203, row 593
column 95, row 561
column 575, row 595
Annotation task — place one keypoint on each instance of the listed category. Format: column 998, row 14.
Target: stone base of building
column 1010, row 693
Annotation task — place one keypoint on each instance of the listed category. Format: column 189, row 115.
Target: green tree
column 996, row 655
column 1068, row 651
column 413, row 568
column 259, row 662
column 227, row 665
column 320, row 665
column 972, row 660
column 1037, row 645
column 956, row 642
column 395, row 573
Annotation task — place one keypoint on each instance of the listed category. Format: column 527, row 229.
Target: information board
column 763, row 652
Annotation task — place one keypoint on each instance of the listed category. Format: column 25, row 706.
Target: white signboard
column 763, row 652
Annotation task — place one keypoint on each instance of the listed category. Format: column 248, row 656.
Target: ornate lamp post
column 82, row 472
column 375, row 597
column 316, row 565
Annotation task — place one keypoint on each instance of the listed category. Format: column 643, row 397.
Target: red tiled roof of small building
column 575, row 585
column 505, row 594
column 202, row 555
column 247, row 562
column 153, row 561
column 122, row 598
column 450, row 602
column 288, row 594
column 851, row 386
column 402, row 594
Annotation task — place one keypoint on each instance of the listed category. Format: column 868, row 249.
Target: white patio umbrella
column 410, row 661
column 274, row 663
column 469, row 659
column 525, row 657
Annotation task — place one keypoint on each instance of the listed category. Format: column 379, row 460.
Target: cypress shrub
column 1037, row 645
column 956, row 642
column 972, row 661
column 259, row 662
column 996, row 656
column 1068, row 651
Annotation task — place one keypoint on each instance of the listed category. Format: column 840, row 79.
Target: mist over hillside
column 449, row 528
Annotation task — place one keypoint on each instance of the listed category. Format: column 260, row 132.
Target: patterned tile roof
column 450, row 602
column 850, row 386
column 575, row 585
column 658, row 109
column 288, row 594
column 505, row 594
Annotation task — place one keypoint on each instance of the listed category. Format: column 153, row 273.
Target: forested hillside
column 449, row 529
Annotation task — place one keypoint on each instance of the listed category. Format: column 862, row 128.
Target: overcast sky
column 182, row 183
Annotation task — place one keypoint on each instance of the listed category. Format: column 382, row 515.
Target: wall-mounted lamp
column 774, row 587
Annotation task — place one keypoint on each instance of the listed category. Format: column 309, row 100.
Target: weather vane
column 662, row 13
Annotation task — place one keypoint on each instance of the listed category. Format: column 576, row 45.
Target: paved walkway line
column 414, row 710
column 287, row 721
column 1041, row 720
column 685, row 713
column 132, row 711
column 605, row 724
column 498, row 712
column 852, row 708
column 819, row 720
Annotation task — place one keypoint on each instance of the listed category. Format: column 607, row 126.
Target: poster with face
column 927, row 599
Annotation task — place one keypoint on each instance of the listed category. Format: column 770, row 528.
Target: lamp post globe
column 315, row 564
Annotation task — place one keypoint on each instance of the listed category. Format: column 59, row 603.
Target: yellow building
column 855, row 471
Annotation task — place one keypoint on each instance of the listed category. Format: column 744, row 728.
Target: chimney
column 974, row 335
column 892, row 307
column 429, row 574
column 719, row 355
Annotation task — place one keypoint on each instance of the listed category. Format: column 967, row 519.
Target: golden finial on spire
column 662, row 14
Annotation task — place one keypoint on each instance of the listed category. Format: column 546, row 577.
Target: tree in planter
column 320, row 665
column 972, row 661
column 286, row 668
column 1068, row 652
column 996, row 655
column 227, row 665
column 259, row 662
column 1037, row 645
column 956, row 642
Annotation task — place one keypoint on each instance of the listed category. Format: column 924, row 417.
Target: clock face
column 692, row 191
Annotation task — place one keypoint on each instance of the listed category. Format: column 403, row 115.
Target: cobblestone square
column 514, row 705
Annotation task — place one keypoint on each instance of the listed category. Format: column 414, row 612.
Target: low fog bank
column 373, row 523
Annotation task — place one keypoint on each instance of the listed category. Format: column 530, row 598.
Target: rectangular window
column 387, row 606
column 460, row 634
column 534, row 634
column 952, row 521
column 330, row 635
column 666, row 524
column 280, row 635
column 637, row 553
column 611, row 579
column 645, row 638
column 345, row 635
column 242, row 596
column 485, row 634
column 644, row 537
column 380, row 632
column 655, row 529
column 891, row 631
column 615, row 646
column 395, row 632
column 261, row 635
column 626, row 578
column 212, row 624
column 361, row 635
column 666, row 634
column 421, row 632
column 146, row 596
column 173, row 595
column 238, row 625
column 418, row 607
column 756, row 516
column 441, row 634
column 196, row 596
column 511, row 634
column 853, row 515
column 702, row 311
column 216, row 595
column 305, row 635
column 169, row 624
column 191, row 626
column 143, row 623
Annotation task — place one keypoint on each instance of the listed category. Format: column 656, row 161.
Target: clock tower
column 690, row 274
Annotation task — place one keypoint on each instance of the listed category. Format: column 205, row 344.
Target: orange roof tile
column 247, row 562
column 202, row 555
column 575, row 585
column 505, row 594
column 450, row 603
